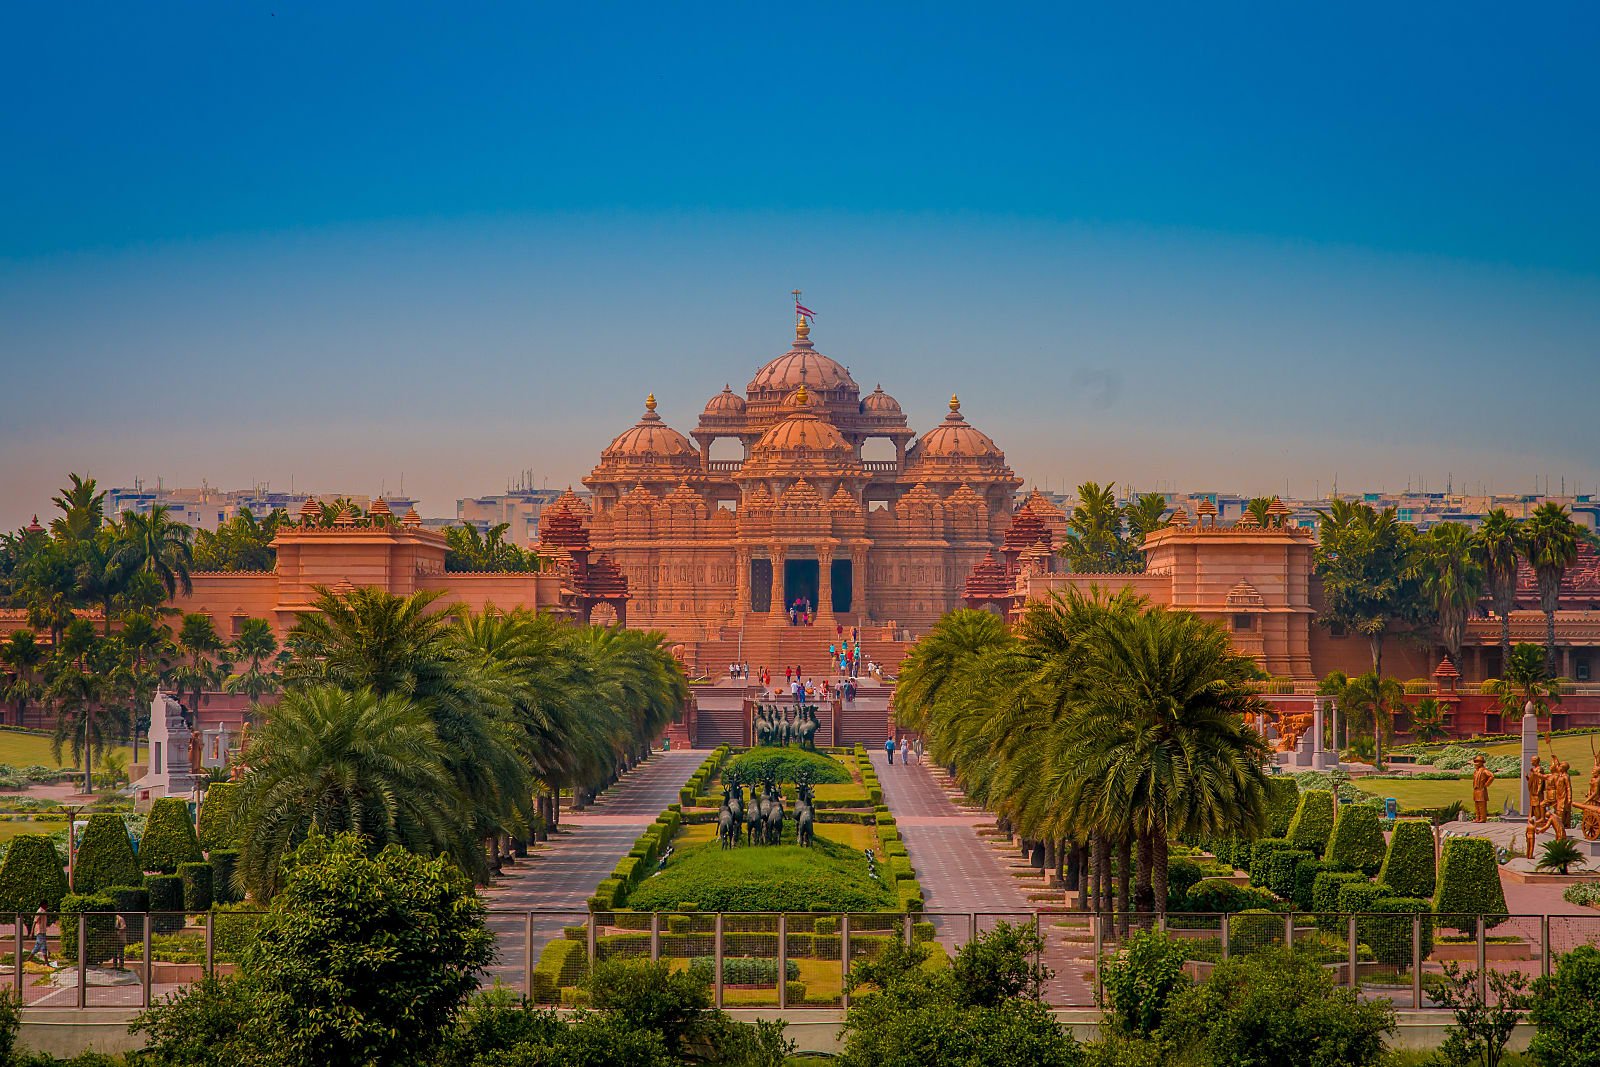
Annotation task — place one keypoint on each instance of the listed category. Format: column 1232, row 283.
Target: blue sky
column 1247, row 247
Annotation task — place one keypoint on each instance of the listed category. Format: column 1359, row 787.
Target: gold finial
column 955, row 402
column 650, row 402
column 802, row 330
column 801, row 397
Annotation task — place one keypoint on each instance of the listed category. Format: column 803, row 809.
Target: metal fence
column 803, row 959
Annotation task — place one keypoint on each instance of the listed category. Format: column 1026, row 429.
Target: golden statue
column 1482, row 777
column 1535, row 791
column 1593, row 795
column 1558, row 795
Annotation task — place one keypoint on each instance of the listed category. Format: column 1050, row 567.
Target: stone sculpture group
column 774, row 726
column 760, row 821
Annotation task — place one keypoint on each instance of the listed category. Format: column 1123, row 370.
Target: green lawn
column 26, row 749
column 1433, row 794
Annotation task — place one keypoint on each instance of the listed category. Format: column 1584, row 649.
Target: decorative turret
column 380, row 513
column 34, row 527
column 411, row 520
column 345, row 519
column 310, row 512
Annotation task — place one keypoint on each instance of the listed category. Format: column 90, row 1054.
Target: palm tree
column 145, row 648
column 1362, row 558
column 83, row 510
column 23, row 655
column 1260, row 508
column 159, row 545
column 1144, row 515
column 1162, row 744
column 1550, row 542
column 1525, row 681
column 78, row 682
column 1371, row 699
column 257, row 646
column 941, row 657
column 1094, row 531
column 328, row 761
column 1427, row 721
column 403, row 646
column 1446, row 563
column 198, row 639
column 1500, row 549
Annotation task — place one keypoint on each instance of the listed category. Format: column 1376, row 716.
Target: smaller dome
column 879, row 402
column 726, row 403
column 956, row 437
column 651, row 438
column 802, row 429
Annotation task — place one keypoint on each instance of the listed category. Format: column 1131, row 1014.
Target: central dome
column 803, row 429
column 801, row 365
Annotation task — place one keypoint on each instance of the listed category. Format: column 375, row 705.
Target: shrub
column 1281, row 868
column 1357, row 841
column 1283, row 797
column 1140, row 979
column 1214, row 895
column 1564, row 1012
column 105, row 856
column 129, row 899
column 1325, row 888
column 1305, row 880
column 224, row 862
column 1255, row 930
column 217, row 814
column 1389, row 934
column 1260, row 867
column 1408, row 866
column 31, row 875
column 92, row 910
column 1182, row 874
column 196, row 879
column 825, row 877
column 166, row 895
column 785, row 765
column 169, row 837
column 563, row 963
column 1278, row 1008
column 742, row 970
column 1359, row 897
column 1469, row 885
column 1313, row 821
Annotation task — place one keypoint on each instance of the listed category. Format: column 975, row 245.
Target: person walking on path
column 41, row 932
column 917, row 748
column 119, row 944
column 888, row 747
column 905, row 752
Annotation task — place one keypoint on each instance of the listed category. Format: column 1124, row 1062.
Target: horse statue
column 752, row 819
column 736, row 809
column 727, row 825
column 774, row 818
column 804, row 815
column 806, row 729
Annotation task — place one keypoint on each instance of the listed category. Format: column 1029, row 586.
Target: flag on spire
column 803, row 311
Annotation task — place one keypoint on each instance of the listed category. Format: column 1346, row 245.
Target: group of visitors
column 800, row 613
column 908, row 748
column 41, row 939
column 739, row 670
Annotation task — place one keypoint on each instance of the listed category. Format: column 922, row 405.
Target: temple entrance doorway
column 761, row 585
column 843, row 586
column 801, row 581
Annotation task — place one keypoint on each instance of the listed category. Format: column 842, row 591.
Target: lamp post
column 72, row 848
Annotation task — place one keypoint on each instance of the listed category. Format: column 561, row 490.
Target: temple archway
column 801, row 581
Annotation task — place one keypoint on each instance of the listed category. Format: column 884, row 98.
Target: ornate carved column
column 824, row 581
column 741, row 582
column 858, row 582
column 776, row 554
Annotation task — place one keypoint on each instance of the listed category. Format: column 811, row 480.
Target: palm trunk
column 1550, row 642
column 1101, row 894
column 1158, row 868
column 88, row 759
column 1124, row 883
column 1052, row 864
column 1144, row 899
column 1505, row 640
column 1375, row 642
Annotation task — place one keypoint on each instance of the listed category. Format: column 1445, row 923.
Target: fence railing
column 795, row 959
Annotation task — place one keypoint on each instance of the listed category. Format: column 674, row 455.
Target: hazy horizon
column 1241, row 253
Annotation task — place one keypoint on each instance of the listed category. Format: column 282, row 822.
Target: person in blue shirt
column 888, row 746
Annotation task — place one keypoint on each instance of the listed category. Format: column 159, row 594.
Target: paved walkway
column 562, row 874
column 965, row 883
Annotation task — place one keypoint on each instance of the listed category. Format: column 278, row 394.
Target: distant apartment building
column 519, row 507
column 206, row 507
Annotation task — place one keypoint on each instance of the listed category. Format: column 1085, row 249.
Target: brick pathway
column 964, row 881
column 562, row 875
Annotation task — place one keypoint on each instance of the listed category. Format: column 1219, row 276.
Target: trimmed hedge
column 1389, row 935
column 1313, row 821
column 217, row 814
column 1408, row 866
column 1283, row 797
column 101, row 928
column 30, row 876
column 1216, row 895
column 105, row 856
column 1359, row 897
column 1469, row 885
column 169, row 838
column 563, row 963
column 743, row 970
column 224, row 861
column 1305, row 880
column 1325, row 888
column 1260, row 859
column 1281, row 871
column 166, row 895
column 1357, row 841
column 785, row 765
column 129, row 899
column 196, row 879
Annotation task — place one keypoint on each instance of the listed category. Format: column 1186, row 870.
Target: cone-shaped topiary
column 1469, row 885
column 1283, row 796
column 1261, row 859
column 166, row 901
column 217, row 812
column 30, row 876
column 1313, row 821
column 1357, row 841
column 196, row 886
column 169, row 838
column 105, row 856
column 1408, row 867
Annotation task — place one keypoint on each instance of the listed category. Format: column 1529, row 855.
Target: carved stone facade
column 801, row 516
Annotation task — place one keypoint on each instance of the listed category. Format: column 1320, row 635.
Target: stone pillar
column 741, row 582
column 1318, row 754
column 858, row 585
column 824, row 582
column 1530, row 749
column 775, row 553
